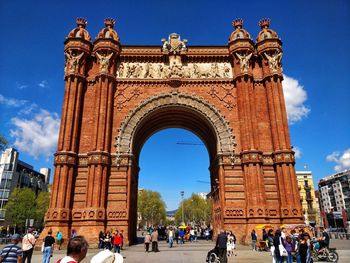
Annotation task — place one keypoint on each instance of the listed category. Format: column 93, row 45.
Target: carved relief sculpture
column 72, row 62
column 244, row 62
column 274, row 60
column 104, row 61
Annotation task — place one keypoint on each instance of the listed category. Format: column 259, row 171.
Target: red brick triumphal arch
column 117, row 96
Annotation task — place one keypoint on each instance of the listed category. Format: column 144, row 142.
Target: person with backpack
column 28, row 243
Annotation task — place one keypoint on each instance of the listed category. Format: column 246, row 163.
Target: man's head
column 77, row 248
column 15, row 238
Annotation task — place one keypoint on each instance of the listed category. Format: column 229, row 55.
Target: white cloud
column 295, row 97
column 37, row 136
column 297, row 152
column 341, row 158
column 43, row 84
column 10, row 102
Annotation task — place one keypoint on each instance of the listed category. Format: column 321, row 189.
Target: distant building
column 334, row 191
column 15, row 173
column 308, row 198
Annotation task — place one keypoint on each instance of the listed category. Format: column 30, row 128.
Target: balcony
column 307, row 188
column 311, row 211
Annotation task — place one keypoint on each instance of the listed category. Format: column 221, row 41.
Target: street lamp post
column 182, row 205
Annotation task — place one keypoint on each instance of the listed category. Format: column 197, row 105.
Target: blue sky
column 316, row 57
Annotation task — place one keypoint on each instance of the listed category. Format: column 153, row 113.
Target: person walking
column 182, row 234
column 28, row 243
column 12, row 253
column 147, row 241
column 49, row 242
column 154, row 238
column 254, row 239
column 76, row 250
column 59, row 239
column 171, row 237
column 221, row 244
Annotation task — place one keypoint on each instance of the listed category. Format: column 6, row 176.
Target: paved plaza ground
column 193, row 252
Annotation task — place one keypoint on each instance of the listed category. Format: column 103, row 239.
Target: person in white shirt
column 28, row 243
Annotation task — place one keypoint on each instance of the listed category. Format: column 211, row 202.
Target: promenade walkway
column 191, row 253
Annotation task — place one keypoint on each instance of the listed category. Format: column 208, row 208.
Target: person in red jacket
column 117, row 242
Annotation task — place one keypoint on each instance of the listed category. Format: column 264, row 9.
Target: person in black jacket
column 221, row 244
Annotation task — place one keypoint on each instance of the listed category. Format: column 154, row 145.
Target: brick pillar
column 77, row 52
column 242, row 52
column 269, row 49
column 106, row 50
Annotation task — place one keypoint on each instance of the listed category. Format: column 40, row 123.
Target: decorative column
column 77, row 51
column 106, row 49
column 242, row 50
column 269, row 49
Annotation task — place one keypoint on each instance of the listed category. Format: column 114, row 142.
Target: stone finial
column 109, row 22
column 81, row 22
column 264, row 23
column 238, row 23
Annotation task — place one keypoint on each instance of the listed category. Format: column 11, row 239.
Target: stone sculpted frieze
column 135, row 70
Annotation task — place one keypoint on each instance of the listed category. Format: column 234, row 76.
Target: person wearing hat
column 12, row 252
column 107, row 256
column 28, row 243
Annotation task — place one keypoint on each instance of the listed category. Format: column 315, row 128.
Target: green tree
column 3, row 143
column 42, row 204
column 20, row 206
column 196, row 209
column 151, row 207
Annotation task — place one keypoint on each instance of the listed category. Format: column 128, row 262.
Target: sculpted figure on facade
column 274, row 60
column 176, row 70
column 214, row 70
column 72, row 62
column 244, row 62
column 120, row 72
column 226, row 71
column 104, row 61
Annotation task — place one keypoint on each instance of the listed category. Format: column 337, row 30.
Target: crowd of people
column 285, row 246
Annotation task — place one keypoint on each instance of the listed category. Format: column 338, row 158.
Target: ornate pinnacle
column 109, row 22
column 238, row 23
column 264, row 23
column 81, row 22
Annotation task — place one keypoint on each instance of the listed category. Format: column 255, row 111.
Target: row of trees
column 24, row 204
column 152, row 210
